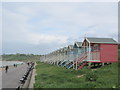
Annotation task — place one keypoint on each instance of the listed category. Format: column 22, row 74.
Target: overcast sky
column 40, row 28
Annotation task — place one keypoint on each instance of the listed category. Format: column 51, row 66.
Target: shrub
column 91, row 76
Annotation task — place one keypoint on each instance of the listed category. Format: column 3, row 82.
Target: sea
column 9, row 63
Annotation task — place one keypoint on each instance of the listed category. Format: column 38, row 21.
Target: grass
column 119, row 52
column 51, row 76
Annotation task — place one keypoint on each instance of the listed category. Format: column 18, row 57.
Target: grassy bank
column 50, row 76
column 119, row 52
column 20, row 57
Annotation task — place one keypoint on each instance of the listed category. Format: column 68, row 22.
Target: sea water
column 9, row 63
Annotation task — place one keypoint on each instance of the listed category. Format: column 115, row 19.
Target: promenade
column 12, row 77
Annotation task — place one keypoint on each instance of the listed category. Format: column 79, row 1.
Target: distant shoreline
column 3, row 68
column 9, row 63
column 10, row 67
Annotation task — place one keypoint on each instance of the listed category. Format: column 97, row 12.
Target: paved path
column 32, row 81
column 12, row 77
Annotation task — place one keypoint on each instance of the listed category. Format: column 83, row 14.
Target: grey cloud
column 69, row 22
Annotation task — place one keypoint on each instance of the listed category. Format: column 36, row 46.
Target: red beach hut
column 98, row 50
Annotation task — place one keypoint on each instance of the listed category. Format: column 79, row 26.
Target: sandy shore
column 1, row 69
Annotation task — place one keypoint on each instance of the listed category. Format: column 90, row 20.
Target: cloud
column 53, row 25
column 60, row 1
column 46, row 39
column 0, row 28
column 19, row 31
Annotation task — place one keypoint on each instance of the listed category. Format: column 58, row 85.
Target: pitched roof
column 65, row 48
column 70, row 46
column 102, row 40
column 79, row 44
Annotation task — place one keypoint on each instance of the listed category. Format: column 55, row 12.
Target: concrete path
column 12, row 77
column 32, row 81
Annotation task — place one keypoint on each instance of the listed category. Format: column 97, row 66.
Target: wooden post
column 102, row 64
column 76, row 64
column 89, row 64
column 73, row 64
column 89, row 51
column 84, row 47
column 57, row 63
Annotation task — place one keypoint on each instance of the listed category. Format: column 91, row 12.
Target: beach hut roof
column 65, row 48
column 61, row 49
column 70, row 46
column 101, row 40
column 78, row 44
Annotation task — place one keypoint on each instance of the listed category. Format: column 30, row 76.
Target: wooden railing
column 95, row 55
column 83, row 55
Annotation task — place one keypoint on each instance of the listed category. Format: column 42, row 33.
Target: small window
column 95, row 47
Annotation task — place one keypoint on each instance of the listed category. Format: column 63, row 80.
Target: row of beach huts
column 90, row 51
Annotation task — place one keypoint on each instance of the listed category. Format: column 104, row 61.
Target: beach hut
column 70, row 47
column 77, row 44
column 70, row 52
column 98, row 50
column 77, row 48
